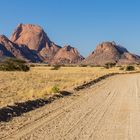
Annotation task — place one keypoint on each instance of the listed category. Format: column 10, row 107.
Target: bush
column 55, row 89
column 83, row 65
column 130, row 68
column 121, row 68
column 56, row 67
column 12, row 64
column 32, row 65
column 109, row 65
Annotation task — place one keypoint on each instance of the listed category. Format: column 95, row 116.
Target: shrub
column 13, row 64
column 109, row 65
column 56, row 67
column 130, row 68
column 83, row 65
column 93, row 66
column 121, row 68
column 32, row 65
column 55, row 89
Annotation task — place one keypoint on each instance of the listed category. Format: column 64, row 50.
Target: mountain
column 10, row 49
column 34, row 37
column 109, row 52
column 31, row 43
column 67, row 55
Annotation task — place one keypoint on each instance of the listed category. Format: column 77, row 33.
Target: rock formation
column 109, row 52
column 34, row 37
column 10, row 49
column 67, row 55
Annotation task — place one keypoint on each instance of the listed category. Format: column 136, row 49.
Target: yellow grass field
column 39, row 81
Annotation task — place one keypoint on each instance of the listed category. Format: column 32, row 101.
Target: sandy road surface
column 108, row 111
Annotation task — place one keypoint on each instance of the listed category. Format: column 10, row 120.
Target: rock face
column 109, row 52
column 35, row 39
column 67, row 55
column 10, row 49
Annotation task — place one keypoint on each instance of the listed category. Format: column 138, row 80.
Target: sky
column 80, row 23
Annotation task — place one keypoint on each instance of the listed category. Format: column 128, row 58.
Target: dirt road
column 108, row 111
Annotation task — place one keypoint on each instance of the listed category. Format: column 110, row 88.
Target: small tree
column 130, row 68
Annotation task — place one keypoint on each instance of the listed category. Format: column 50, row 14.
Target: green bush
column 130, row 68
column 56, row 67
column 55, row 89
column 13, row 64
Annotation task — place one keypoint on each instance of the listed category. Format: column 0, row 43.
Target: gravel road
column 109, row 110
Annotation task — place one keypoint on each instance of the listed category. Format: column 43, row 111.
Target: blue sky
column 81, row 23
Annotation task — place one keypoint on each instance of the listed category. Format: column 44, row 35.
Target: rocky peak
column 110, row 46
column 67, row 55
column 30, row 35
column 4, row 39
column 34, row 37
column 3, row 47
column 110, row 52
column 68, row 48
column 10, row 49
column 6, row 42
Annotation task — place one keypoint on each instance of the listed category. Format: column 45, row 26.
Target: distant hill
column 109, row 52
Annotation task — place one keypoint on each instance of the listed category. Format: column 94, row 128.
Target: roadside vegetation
column 44, row 81
column 56, row 67
column 12, row 64
column 109, row 65
column 128, row 68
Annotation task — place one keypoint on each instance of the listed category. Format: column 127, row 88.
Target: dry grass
column 38, row 83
